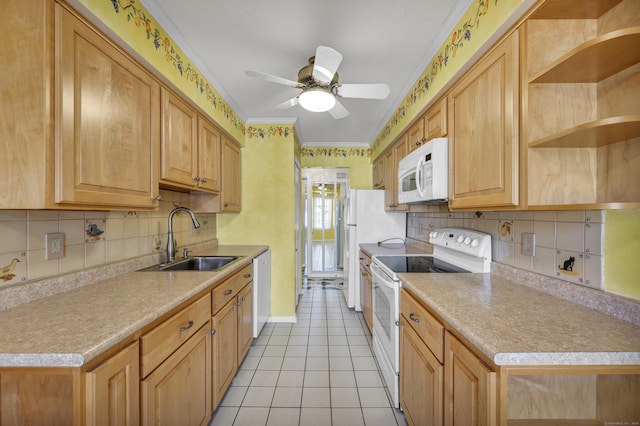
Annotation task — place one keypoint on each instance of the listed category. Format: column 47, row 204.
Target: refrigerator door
column 368, row 222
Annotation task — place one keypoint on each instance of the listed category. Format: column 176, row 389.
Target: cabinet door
column 231, row 177
column 389, row 181
column 366, row 294
column 225, row 349
column 416, row 135
column 470, row 387
column 178, row 144
column 435, row 120
column 208, row 156
column 400, row 150
column 245, row 321
column 178, row 392
column 106, row 120
column 378, row 173
column 421, row 380
column 112, row 393
column 483, row 131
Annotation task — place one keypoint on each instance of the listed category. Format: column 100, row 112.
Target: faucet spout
column 171, row 243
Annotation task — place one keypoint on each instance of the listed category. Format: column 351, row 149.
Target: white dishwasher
column 261, row 291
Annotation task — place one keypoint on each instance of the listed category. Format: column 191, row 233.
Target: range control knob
column 460, row 238
column 433, row 234
column 475, row 242
column 467, row 241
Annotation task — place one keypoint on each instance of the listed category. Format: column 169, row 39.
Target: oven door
column 386, row 328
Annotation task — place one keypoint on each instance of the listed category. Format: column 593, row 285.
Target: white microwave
column 423, row 175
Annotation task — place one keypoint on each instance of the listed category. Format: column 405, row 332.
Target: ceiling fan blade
column 338, row 111
column 365, row 91
column 326, row 64
column 272, row 78
column 288, row 104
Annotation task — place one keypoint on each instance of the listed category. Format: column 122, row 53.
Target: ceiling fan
column 320, row 86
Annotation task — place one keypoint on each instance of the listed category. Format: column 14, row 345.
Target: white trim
column 273, row 319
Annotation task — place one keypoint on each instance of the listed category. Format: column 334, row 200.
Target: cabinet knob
column 159, row 198
column 423, row 139
column 238, row 303
column 213, row 332
column 204, row 180
column 197, row 178
column 246, row 276
column 418, row 143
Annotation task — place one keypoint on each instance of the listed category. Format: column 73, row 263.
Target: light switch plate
column 54, row 245
column 528, row 244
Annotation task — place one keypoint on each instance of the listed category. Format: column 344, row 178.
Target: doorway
column 323, row 234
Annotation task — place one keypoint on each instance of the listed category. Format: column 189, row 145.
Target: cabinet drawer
column 228, row 289
column 430, row 330
column 163, row 340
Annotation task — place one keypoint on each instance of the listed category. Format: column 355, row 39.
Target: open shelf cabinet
column 581, row 103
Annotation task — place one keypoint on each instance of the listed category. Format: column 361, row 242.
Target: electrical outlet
column 528, row 244
column 54, row 245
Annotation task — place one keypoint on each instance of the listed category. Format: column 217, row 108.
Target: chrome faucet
column 171, row 243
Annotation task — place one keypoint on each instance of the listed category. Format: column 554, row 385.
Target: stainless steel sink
column 196, row 263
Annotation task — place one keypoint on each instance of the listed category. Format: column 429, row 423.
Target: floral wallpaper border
column 257, row 131
column 162, row 43
column 321, row 151
column 435, row 67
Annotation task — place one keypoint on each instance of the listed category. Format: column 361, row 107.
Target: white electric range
column 456, row 250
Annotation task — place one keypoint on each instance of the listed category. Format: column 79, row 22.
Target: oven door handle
column 381, row 276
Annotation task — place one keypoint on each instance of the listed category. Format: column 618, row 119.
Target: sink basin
column 196, row 263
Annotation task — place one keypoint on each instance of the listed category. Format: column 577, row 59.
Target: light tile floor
column 318, row 371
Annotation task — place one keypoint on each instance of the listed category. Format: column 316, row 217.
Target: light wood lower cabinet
column 178, row 392
column 366, row 290
column 245, row 321
column 225, row 349
column 469, row 386
column 113, row 391
column 232, row 328
column 421, row 379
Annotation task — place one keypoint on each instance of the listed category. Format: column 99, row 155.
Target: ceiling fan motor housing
column 305, row 76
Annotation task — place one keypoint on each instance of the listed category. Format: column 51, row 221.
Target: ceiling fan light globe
column 317, row 100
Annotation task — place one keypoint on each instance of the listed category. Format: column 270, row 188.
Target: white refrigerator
column 366, row 222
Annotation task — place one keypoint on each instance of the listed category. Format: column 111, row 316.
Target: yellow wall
column 357, row 160
column 268, row 214
column 622, row 252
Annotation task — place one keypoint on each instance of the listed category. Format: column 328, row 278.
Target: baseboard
column 292, row 319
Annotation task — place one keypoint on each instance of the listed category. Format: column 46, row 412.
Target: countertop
column 71, row 328
column 513, row 324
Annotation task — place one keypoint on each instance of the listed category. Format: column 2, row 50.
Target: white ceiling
column 382, row 41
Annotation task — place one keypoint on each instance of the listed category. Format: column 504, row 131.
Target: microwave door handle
column 418, row 179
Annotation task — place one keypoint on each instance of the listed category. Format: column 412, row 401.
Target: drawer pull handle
column 186, row 327
column 228, row 292
column 246, row 276
column 413, row 318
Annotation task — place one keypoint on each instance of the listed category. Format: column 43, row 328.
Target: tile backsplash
column 91, row 238
column 568, row 244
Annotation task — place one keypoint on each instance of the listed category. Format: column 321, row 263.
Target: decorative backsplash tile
column 569, row 244
column 92, row 238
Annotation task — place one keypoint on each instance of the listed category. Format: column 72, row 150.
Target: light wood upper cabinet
column 231, row 191
column 581, row 116
column 416, row 135
column 209, row 139
column 179, row 143
column 391, row 158
column 113, row 390
column 483, row 131
column 435, row 120
column 378, row 173
column 106, row 121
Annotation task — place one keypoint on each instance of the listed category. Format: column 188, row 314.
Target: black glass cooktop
column 418, row 264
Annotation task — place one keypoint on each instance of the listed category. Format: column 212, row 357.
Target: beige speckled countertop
column 71, row 328
column 513, row 324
